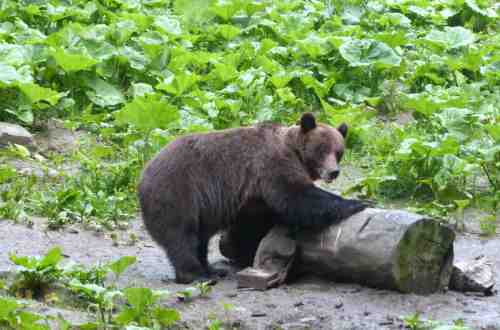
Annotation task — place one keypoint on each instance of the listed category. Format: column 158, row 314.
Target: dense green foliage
column 137, row 73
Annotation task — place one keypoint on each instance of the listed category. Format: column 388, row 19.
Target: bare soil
column 307, row 303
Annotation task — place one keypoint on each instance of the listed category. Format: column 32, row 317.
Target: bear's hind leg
column 183, row 252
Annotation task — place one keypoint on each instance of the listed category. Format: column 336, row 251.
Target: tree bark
column 387, row 249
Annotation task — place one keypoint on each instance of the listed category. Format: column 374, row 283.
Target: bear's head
column 321, row 147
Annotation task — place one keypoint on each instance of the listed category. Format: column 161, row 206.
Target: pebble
column 258, row 314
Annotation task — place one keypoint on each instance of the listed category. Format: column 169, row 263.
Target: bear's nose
column 334, row 174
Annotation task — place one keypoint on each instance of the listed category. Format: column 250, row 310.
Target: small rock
column 294, row 326
column 12, row 133
column 308, row 320
column 258, row 314
column 469, row 311
column 476, row 275
column 388, row 322
column 339, row 305
column 60, row 139
column 73, row 230
column 272, row 306
column 366, row 313
column 232, row 295
column 298, row 304
column 30, row 168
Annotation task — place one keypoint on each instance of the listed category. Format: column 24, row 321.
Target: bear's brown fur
column 254, row 176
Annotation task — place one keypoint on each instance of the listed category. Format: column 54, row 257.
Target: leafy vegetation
column 138, row 73
column 124, row 71
column 112, row 307
column 414, row 322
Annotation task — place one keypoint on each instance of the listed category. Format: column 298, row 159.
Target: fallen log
column 387, row 249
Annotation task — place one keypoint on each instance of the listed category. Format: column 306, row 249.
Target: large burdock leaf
column 489, row 12
column 169, row 24
column 147, row 113
column 179, row 83
column 367, row 52
column 10, row 75
column 37, row 93
column 451, row 37
column 72, row 62
column 102, row 93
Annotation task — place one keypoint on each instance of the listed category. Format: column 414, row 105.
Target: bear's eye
column 323, row 149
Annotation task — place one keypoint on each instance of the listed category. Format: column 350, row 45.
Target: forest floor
column 307, row 303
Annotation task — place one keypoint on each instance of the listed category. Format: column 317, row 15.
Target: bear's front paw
column 368, row 203
column 350, row 207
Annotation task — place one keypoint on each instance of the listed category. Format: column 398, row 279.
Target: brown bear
column 255, row 176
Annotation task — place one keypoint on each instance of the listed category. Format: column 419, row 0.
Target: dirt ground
column 309, row 303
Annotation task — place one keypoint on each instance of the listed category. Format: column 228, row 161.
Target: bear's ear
column 343, row 129
column 307, row 122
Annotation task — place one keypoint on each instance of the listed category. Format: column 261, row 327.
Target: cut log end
column 424, row 258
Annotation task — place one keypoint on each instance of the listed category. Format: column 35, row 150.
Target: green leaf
column 15, row 55
column 166, row 316
column 23, row 261
column 368, row 52
column 169, row 25
column 52, row 258
column 119, row 266
column 451, row 37
column 225, row 9
column 281, row 79
column 139, row 298
column 140, row 89
column 449, row 146
column 228, row 32
column 314, row 45
column 493, row 129
column 7, row 173
column 488, row 12
column 102, row 93
column 127, row 315
column 147, row 113
column 70, row 62
column 225, row 72
column 22, row 113
column 7, row 306
column 9, row 75
column 351, row 15
column 268, row 65
column 179, row 83
column 37, row 93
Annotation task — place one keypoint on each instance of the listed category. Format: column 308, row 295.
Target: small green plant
column 143, row 311
column 36, row 274
column 488, row 225
column 204, row 288
column 414, row 322
column 13, row 317
column 99, row 299
column 186, row 295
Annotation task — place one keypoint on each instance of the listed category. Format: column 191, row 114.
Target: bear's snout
column 330, row 175
column 333, row 174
